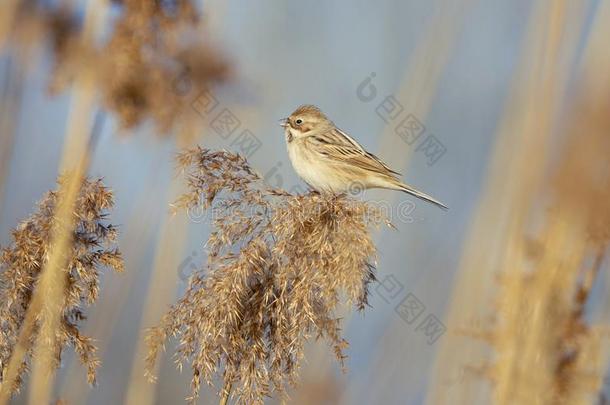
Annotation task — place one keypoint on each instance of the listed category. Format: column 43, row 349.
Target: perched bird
column 329, row 160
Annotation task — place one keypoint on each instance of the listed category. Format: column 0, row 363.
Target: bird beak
column 284, row 122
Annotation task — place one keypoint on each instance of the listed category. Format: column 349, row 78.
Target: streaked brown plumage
column 329, row 160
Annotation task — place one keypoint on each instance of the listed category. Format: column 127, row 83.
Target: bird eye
column 299, row 121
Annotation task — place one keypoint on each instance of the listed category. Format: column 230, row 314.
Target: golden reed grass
column 246, row 317
column 136, row 235
column 22, row 263
column 135, row 70
column 46, row 307
column 75, row 161
column 550, row 216
column 149, row 42
column 10, row 104
column 488, row 235
column 551, row 353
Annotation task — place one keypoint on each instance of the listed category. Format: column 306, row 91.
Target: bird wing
column 340, row 147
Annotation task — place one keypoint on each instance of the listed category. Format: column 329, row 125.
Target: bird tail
column 410, row 190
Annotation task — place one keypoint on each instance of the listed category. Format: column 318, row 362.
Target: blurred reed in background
column 537, row 246
column 131, row 75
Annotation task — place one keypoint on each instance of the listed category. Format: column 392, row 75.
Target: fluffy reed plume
column 582, row 189
column 21, row 264
column 155, row 53
column 152, row 45
column 32, row 23
column 278, row 266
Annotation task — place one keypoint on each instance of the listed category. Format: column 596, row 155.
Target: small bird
column 329, row 160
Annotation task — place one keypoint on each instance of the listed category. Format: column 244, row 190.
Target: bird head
column 305, row 120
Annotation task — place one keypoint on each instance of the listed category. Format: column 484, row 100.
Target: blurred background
column 482, row 104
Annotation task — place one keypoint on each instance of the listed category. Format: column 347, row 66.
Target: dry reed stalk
column 597, row 57
column 33, row 25
column 22, row 267
column 15, row 367
column 527, row 176
column 277, row 267
column 499, row 226
column 111, row 304
column 51, row 287
column 161, row 293
column 7, row 14
column 541, row 301
column 224, row 399
column 123, row 64
column 554, row 337
column 49, row 293
column 48, row 296
column 558, row 355
column 10, row 104
column 581, row 190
